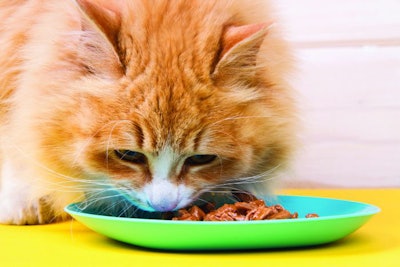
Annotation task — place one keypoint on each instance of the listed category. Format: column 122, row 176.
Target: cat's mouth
column 156, row 196
column 123, row 201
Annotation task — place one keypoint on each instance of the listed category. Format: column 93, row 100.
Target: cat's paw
column 23, row 213
column 17, row 214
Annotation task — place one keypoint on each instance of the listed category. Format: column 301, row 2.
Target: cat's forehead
column 171, row 46
column 170, row 117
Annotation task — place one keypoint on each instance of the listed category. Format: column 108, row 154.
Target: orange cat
column 157, row 100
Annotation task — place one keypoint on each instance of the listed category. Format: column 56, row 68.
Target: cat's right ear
column 105, row 15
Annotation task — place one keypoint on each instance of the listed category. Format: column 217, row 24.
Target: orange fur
column 79, row 81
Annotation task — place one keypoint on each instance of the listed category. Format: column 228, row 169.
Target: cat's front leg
column 20, row 201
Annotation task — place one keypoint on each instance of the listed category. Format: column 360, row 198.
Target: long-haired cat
column 158, row 101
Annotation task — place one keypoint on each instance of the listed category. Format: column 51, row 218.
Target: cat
column 157, row 101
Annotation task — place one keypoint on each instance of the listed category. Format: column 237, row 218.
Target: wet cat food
column 249, row 209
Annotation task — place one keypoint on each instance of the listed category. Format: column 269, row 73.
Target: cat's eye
column 131, row 156
column 198, row 160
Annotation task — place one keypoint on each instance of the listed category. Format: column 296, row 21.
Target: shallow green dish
column 338, row 218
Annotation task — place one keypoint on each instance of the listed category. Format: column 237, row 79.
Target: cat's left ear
column 240, row 46
column 105, row 14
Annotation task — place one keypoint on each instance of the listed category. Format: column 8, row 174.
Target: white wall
column 349, row 83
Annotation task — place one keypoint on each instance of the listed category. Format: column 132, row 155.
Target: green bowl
column 338, row 218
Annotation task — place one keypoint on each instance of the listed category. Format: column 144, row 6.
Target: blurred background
column 348, row 80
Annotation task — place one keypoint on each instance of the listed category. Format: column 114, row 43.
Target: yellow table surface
column 71, row 244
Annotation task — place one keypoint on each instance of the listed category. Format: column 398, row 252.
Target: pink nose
column 162, row 195
column 163, row 205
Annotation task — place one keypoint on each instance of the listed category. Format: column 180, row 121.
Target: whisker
column 109, row 139
column 237, row 183
column 70, row 183
column 82, row 148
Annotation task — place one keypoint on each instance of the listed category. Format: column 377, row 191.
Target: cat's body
column 159, row 100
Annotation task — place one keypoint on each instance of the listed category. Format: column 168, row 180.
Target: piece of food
column 248, row 209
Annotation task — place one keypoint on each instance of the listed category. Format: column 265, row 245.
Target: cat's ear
column 239, row 49
column 105, row 14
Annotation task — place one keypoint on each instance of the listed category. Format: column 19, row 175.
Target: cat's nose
column 162, row 195
column 163, row 205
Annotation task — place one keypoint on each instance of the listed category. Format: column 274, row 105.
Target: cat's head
column 166, row 103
